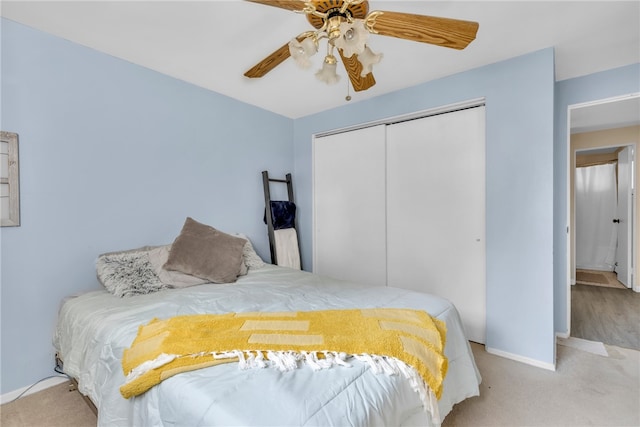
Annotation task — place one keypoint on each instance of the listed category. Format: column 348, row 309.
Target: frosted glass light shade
column 327, row 73
column 302, row 51
column 353, row 37
column 367, row 58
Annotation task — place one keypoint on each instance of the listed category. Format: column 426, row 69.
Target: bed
column 96, row 328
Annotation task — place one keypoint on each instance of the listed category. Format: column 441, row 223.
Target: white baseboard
column 563, row 335
column 522, row 359
column 39, row 386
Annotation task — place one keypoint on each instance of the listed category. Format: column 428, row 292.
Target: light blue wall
column 113, row 156
column 519, row 109
column 607, row 84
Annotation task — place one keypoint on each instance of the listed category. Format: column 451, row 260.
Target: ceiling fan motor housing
column 332, row 8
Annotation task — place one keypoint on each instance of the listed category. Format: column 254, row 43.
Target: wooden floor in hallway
column 605, row 314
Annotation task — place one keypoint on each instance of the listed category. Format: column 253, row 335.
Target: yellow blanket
column 164, row 348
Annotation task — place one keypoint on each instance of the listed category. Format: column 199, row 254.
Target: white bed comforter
column 94, row 329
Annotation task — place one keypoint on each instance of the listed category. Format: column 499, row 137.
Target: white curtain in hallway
column 596, row 204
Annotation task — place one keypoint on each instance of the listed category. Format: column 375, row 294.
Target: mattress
column 95, row 328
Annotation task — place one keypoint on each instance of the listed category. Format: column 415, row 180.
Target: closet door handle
column 617, row 221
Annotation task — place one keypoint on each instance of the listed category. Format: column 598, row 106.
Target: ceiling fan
column 346, row 25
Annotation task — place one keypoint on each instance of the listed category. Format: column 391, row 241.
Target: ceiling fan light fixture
column 327, row 73
column 353, row 38
column 368, row 58
column 302, row 51
column 346, row 25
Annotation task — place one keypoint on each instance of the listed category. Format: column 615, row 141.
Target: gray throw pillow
column 202, row 251
column 128, row 273
column 176, row 279
column 158, row 258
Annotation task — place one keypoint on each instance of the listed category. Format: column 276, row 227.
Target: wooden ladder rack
column 266, row 181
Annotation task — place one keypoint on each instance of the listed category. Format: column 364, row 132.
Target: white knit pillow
column 251, row 257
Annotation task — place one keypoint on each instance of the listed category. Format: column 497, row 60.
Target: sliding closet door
column 436, row 211
column 349, row 206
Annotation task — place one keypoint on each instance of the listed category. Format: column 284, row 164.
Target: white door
column 625, row 215
column 436, row 211
column 349, row 206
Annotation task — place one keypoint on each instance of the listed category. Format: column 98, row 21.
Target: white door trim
column 569, row 219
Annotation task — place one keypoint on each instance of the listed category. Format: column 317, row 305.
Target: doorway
column 604, row 129
column 604, row 192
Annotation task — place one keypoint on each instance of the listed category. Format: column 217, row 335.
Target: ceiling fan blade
column 354, row 68
column 295, row 5
column 453, row 33
column 269, row 63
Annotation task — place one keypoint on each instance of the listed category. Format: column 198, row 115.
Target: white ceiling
column 212, row 43
column 607, row 114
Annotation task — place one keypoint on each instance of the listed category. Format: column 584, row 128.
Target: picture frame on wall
column 9, row 180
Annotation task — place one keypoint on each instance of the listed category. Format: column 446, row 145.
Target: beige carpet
column 55, row 406
column 598, row 278
column 586, row 390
